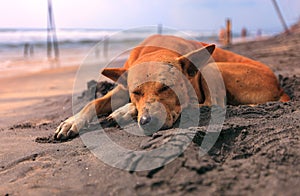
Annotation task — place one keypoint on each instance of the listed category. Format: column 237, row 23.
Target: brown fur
column 246, row 82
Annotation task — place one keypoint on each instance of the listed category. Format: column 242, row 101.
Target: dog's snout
column 152, row 117
column 145, row 119
column 150, row 124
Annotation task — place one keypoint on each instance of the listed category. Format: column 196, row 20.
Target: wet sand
column 257, row 152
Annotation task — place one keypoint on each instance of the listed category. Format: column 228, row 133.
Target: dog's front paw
column 124, row 114
column 69, row 128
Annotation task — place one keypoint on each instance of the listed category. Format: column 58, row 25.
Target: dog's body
column 151, row 77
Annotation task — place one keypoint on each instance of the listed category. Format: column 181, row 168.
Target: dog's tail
column 283, row 96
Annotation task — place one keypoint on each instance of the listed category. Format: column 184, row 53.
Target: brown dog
column 151, row 77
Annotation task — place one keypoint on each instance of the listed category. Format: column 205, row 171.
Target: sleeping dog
column 163, row 60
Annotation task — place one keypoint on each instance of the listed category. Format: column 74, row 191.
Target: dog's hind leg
column 70, row 127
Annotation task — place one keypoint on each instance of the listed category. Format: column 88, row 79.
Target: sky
column 124, row 14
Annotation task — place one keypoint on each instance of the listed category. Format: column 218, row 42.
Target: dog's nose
column 150, row 124
column 145, row 119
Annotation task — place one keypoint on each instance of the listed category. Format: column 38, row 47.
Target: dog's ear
column 118, row 75
column 192, row 61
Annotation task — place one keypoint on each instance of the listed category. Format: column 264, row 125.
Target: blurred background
column 79, row 24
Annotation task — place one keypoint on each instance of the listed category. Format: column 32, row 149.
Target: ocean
column 20, row 46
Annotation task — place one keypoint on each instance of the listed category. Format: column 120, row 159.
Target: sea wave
column 13, row 37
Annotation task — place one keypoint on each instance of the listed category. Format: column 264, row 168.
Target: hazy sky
column 121, row 14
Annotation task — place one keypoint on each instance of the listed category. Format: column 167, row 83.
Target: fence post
column 159, row 29
column 228, row 32
column 52, row 42
column 286, row 29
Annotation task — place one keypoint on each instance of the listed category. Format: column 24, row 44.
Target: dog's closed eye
column 137, row 92
column 163, row 88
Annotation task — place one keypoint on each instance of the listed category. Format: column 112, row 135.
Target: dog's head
column 161, row 87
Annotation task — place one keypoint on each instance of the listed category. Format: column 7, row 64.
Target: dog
column 163, row 59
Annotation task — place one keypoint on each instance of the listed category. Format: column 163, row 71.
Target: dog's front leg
column 70, row 127
column 124, row 114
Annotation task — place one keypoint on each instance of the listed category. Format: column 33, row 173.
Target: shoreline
column 22, row 92
column 24, row 66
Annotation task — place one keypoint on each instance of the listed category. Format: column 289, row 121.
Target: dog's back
column 157, row 46
column 176, row 46
column 231, row 65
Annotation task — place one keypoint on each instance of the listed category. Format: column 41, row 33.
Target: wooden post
column 49, row 42
column 26, row 49
column 31, row 50
column 159, row 29
column 286, row 29
column 228, row 32
column 52, row 42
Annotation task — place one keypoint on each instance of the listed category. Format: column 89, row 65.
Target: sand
column 257, row 152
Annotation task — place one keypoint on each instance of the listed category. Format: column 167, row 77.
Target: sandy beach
column 257, row 152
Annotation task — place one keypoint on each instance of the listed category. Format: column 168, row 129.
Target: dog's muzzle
column 145, row 119
column 153, row 118
column 150, row 124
